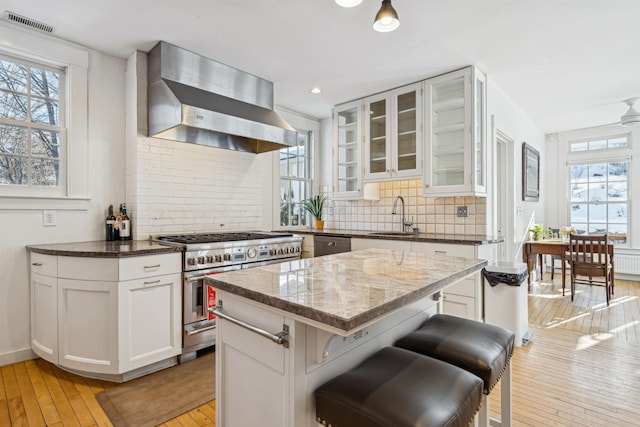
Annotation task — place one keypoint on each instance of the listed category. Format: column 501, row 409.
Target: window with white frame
column 295, row 180
column 599, row 188
column 32, row 132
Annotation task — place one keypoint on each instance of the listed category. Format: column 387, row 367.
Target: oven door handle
column 278, row 338
column 195, row 278
column 200, row 330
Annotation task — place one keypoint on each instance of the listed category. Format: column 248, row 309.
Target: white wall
column 509, row 119
column 19, row 228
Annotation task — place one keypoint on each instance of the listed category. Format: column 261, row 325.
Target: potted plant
column 315, row 205
column 536, row 232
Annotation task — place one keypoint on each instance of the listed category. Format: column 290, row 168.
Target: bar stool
column 400, row 388
column 484, row 350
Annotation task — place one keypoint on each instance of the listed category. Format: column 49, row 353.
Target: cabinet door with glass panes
column 347, row 173
column 392, row 134
column 455, row 134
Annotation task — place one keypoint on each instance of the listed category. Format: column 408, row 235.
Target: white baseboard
column 17, row 356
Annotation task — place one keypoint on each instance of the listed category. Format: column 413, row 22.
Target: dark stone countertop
column 458, row 239
column 104, row 249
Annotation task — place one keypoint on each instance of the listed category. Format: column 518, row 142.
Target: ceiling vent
column 28, row 22
column 631, row 117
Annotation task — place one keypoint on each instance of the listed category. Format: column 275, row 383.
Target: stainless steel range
column 212, row 253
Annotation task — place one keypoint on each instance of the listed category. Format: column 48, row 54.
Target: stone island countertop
column 346, row 291
column 104, row 249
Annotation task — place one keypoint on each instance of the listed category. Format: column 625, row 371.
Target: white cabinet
column 106, row 317
column 393, row 134
column 149, row 320
column 465, row 298
column 455, row 134
column 347, row 151
column 394, row 245
column 44, row 306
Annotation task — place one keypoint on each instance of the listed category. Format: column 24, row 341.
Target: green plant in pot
column 536, row 232
column 315, row 205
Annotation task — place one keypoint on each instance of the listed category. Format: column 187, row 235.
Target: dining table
column 552, row 246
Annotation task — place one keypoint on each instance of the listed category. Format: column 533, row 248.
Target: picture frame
column 530, row 173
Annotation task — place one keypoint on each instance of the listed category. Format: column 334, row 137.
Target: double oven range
column 212, row 253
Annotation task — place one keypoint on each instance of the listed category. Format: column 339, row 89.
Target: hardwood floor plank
column 17, row 412
column 57, row 394
column 5, row 419
column 44, row 398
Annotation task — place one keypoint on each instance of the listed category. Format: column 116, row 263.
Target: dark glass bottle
column 125, row 224
column 110, row 225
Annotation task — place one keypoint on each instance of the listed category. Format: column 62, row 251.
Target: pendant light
column 348, row 3
column 386, row 18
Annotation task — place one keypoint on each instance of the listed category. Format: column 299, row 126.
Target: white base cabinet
column 107, row 318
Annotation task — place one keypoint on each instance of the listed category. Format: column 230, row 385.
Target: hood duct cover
column 198, row 100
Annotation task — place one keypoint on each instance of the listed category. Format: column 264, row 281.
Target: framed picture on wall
column 530, row 173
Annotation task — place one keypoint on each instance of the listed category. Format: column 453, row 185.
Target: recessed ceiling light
column 348, row 3
column 316, row 90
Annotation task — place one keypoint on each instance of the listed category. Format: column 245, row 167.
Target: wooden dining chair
column 589, row 256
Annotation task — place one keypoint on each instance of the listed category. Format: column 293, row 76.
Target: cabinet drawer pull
column 440, row 252
column 152, row 282
column 149, row 267
column 36, row 264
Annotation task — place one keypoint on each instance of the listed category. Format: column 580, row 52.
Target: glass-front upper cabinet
column 455, row 137
column 347, row 151
column 393, row 141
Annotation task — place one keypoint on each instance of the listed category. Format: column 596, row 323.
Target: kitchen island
column 315, row 319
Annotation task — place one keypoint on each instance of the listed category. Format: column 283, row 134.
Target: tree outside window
column 31, row 131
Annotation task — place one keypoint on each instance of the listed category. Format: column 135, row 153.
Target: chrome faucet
column 405, row 224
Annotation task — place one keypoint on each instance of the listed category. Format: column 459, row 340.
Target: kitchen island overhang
column 336, row 309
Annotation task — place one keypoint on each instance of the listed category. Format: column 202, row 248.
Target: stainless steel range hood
column 198, row 100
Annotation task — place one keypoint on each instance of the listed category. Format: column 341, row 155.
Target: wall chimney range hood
column 198, row 100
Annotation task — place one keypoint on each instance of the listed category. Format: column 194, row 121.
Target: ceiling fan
column 631, row 117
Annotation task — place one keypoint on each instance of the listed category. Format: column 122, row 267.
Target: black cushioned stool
column 399, row 388
column 484, row 350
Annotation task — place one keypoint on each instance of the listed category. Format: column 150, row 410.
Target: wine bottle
column 111, row 225
column 125, row 224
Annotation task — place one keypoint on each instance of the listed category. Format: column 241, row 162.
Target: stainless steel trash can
column 506, row 298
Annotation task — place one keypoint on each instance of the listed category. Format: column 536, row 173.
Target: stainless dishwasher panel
column 327, row 245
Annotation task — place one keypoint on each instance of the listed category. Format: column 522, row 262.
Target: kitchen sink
column 391, row 233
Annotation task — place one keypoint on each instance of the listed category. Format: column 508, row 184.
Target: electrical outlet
column 49, row 218
column 462, row 211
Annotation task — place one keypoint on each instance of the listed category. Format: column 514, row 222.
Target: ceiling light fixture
column 348, row 3
column 631, row 117
column 386, row 18
column 315, row 90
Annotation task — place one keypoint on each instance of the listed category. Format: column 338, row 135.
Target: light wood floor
column 581, row 369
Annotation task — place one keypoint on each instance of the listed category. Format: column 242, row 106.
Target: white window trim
column 46, row 49
column 565, row 158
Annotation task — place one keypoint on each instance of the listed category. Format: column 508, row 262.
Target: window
column 295, row 180
column 57, row 181
column 599, row 189
column 32, row 138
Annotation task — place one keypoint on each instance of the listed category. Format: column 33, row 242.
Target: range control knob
column 209, row 259
column 191, row 261
column 218, row 258
column 200, row 260
column 251, row 253
column 227, row 257
column 272, row 251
